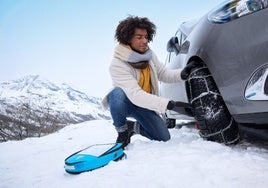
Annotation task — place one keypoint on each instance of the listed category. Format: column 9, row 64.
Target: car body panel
column 233, row 52
column 232, row 65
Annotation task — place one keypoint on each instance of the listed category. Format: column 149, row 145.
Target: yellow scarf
column 145, row 80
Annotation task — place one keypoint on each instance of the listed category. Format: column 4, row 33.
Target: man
column 135, row 72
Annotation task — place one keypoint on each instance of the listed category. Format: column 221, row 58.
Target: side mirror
column 173, row 45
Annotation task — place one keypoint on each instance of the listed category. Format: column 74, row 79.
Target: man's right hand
column 180, row 107
column 187, row 69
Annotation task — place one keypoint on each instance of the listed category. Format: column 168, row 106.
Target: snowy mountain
column 33, row 102
column 185, row 161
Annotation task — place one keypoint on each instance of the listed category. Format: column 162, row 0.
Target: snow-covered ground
column 184, row 161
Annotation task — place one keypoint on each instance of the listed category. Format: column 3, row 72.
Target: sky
column 72, row 41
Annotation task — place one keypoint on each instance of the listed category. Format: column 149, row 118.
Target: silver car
column 228, row 87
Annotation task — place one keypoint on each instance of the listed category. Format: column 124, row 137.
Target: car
column 228, row 86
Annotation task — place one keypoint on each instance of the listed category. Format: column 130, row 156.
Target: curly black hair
column 126, row 28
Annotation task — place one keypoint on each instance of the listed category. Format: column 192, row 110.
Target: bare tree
column 27, row 120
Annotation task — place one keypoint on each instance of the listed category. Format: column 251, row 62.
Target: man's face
column 139, row 41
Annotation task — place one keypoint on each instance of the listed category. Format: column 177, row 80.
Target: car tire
column 215, row 121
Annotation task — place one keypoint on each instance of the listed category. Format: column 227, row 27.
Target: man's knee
column 118, row 100
column 117, row 93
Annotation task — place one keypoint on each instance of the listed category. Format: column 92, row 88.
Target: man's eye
column 140, row 37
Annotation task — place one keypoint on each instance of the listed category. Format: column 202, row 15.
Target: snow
column 184, row 161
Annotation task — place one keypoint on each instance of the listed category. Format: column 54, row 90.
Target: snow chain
column 220, row 134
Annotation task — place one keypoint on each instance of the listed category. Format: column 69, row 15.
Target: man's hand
column 180, row 107
column 177, row 104
column 187, row 69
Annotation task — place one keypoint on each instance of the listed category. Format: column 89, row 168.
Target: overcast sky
column 72, row 41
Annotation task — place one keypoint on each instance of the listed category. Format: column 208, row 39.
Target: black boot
column 124, row 137
column 130, row 127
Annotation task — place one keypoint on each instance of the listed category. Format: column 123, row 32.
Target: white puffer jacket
column 126, row 77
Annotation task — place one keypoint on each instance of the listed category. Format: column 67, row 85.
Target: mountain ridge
column 35, row 101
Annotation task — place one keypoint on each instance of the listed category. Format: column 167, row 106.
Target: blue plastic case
column 93, row 157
